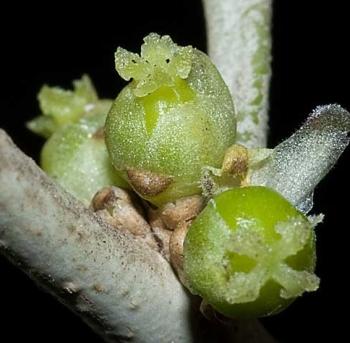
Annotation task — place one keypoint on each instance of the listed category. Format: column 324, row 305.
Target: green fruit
column 77, row 158
column 175, row 117
column 75, row 154
column 250, row 253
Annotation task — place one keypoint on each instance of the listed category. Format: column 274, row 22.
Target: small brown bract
column 176, row 248
column 147, row 183
column 165, row 220
column 183, row 209
column 117, row 207
column 236, row 161
column 161, row 233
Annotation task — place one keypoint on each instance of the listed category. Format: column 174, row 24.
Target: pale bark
column 239, row 43
column 120, row 286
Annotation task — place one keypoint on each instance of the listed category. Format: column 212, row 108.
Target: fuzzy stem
column 239, row 43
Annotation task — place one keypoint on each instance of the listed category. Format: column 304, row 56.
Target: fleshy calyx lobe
column 160, row 63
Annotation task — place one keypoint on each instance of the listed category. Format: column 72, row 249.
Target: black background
column 57, row 43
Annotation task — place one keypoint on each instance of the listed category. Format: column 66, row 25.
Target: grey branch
column 121, row 287
column 239, row 43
